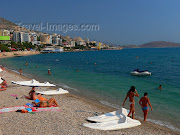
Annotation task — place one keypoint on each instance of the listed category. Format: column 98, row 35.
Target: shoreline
column 70, row 104
column 17, row 54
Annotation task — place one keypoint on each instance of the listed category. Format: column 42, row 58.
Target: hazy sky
column 120, row 21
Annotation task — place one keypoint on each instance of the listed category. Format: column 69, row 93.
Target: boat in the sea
column 138, row 72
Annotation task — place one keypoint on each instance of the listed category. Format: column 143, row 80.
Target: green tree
column 4, row 47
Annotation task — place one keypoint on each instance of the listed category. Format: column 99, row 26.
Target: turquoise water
column 109, row 79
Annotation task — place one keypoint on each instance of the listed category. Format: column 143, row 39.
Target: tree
column 38, row 38
column 4, row 47
column 63, row 40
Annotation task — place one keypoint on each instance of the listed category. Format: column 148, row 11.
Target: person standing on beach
column 144, row 101
column 20, row 71
column 131, row 93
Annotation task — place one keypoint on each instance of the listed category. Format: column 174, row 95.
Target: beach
column 69, row 121
column 17, row 53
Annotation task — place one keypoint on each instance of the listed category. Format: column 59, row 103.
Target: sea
column 104, row 76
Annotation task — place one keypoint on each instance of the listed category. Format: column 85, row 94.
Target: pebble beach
column 69, row 121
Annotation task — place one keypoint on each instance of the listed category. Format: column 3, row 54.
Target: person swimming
column 160, row 87
column 49, row 72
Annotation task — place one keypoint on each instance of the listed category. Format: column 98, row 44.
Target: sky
column 120, row 22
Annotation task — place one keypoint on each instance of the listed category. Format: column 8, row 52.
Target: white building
column 17, row 36
column 72, row 43
column 26, row 37
column 33, row 37
column 5, row 33
column 56, row 40
column 81, row 43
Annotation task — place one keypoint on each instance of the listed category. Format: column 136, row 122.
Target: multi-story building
column 72, row 43
column 4, row 32
column 26, row 37
column 45, row 39
column 56, row 40
column 81, row 43
column 33, row 37
column 17, row 36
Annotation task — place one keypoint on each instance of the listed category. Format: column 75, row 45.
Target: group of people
column 40, row 101
column 3, row 84
column 144, row 102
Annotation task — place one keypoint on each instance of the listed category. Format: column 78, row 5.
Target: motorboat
column 138, row 72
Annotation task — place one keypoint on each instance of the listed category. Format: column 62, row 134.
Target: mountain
column 159, row 44
column 5, row 24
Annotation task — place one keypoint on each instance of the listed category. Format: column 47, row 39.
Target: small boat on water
column 138, row 72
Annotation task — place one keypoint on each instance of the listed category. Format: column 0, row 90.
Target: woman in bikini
column 144, row 101
column 131, row 93
column 33, row 95
column 3, row 85
column 48, row 103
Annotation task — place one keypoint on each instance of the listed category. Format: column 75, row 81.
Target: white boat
column 33, row 83
column 110, row 116
column 137, row 72
column 121, row 123
column 53, row 92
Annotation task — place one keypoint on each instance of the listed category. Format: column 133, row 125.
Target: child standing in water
column 144, row 101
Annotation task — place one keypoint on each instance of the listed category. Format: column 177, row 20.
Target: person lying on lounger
column 33, row 95
column 48, row 103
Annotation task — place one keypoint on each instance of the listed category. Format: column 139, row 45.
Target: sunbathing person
column 3, row 85
column 33, row 95
column 48, row 103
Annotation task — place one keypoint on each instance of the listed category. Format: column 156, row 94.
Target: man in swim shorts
column 144, row 101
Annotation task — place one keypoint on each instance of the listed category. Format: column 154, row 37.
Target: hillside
column 5, row 24
column 159, row 44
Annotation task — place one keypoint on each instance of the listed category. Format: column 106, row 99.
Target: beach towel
column 12, row 109
column 34, row 109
